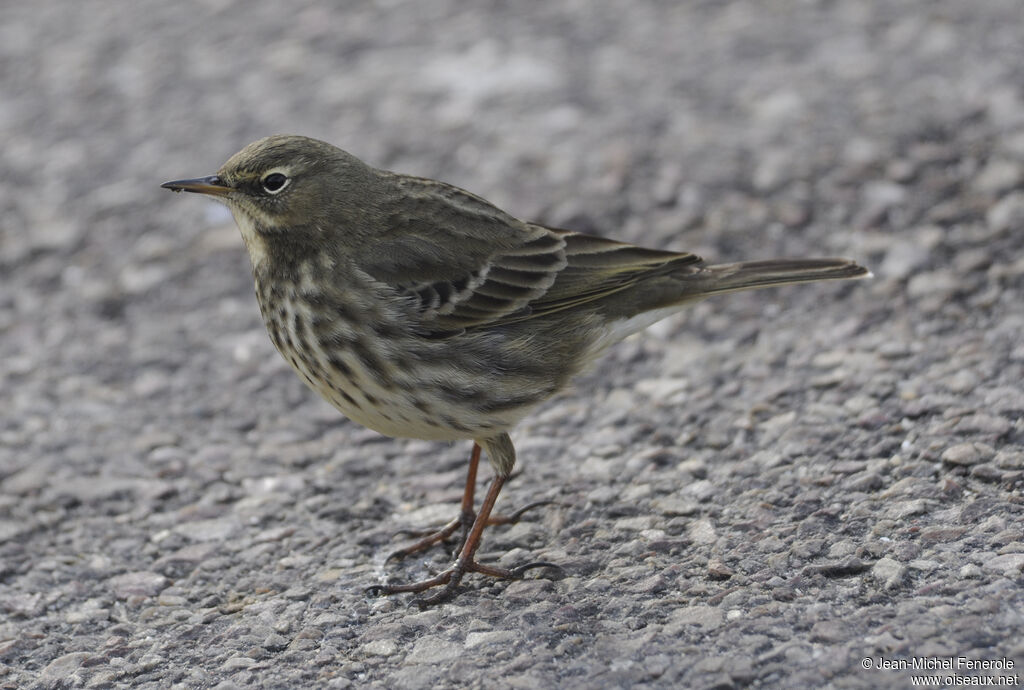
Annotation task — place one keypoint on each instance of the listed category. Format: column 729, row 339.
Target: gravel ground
column 762, row 491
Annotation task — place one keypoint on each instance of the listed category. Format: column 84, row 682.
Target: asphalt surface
column 806, row 487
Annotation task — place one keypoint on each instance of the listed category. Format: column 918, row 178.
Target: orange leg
column 465, row 563
column 473, row 525
column 466, row 516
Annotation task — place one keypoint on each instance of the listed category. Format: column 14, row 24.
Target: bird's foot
column 462, row 523
column 449, row 579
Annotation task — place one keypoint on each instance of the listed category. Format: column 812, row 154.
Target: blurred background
column 140, row 393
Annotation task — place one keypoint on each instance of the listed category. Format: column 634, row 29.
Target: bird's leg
column 465, row 562
column 502, row 455
column 464, row 520
column 466, row 517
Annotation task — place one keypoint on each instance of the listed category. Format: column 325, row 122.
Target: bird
column 421, row 310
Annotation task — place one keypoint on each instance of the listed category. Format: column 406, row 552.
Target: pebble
column 431, row 649
column 675, row 506
column 237, row 663
column 383, row 647
column 941, row 533
column 704, row 617
column 904, row 509
column 1010, row 459
column 1010, row 565
column 702, row 532
column 490, row 637
column 89, row 610
column 999, row 175
column 968, row 454
column 937, row 284
column 970, row 571
column 141, row 583
column 889, row 572
column 1006, row 214
column 985, row 424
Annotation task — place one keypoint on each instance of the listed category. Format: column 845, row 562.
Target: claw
column 518, row 571
column 514, row 517
column 429, row 540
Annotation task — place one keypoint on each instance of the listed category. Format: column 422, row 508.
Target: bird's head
column 289, row 191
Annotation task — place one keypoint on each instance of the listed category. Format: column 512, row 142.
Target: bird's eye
column 274, row 182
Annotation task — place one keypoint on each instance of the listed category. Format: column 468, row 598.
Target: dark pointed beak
column 211, row 185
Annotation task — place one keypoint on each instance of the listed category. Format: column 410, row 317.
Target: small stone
column 860, row 403
column 718, row 570
column 888, row 571
column 985, row 424
column 987, row 473
column 901, row 170
column 793, row 214
column 274, row 642
column 1010, row 564
column 1007, row 213
column 905, row 509
column 142, row 583
column 999, row 175
column 662, row 389
column 32, row 478
column 830, row 632
column 237, row 663
column 844, row 568
column 490, row 637
column 962, row 381
column 773, row 169
column 941, row 533
column 842, row 549
column 702, row 490
column 706, row 617
column 89, row 610
column 879, row 197
column 1010, row 459
column 184, row 559
column 970, row 571
column 674, row 506
column 903, row 259
column 923, row 565
column 938, row 283
column 1012, row 545
column 807, row 548
column 634, row 524
column 860, row 152
column 64, row 666
column 865, row 481
column 216, row 529
column 968, row 454
column 771, row 544
column 703, row 532
column 383, row 647
column 1004, row 399
column 274, row 534
column 433, row 650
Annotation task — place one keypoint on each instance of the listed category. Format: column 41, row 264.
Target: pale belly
column 380, row 396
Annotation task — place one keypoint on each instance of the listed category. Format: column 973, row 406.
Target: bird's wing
column 461, row 261
column 464, row 263
column 597, row 267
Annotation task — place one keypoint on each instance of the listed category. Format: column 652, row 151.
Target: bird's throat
column 255, row 242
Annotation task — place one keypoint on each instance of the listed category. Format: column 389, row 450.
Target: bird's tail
column 749, row 275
